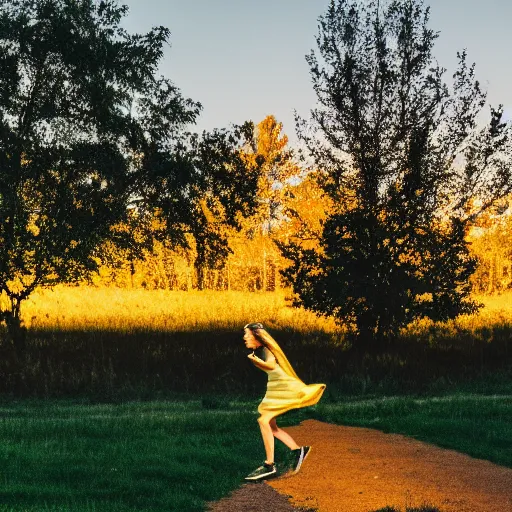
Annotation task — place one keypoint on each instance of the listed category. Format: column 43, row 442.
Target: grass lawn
column 176, row 455
column 142, row 456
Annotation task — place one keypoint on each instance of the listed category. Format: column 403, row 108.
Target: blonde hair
column 266, row 340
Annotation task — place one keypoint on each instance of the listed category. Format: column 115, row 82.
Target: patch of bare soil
column 354, row 469
column 255, row 497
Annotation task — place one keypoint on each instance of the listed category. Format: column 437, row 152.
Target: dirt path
column 354, row 469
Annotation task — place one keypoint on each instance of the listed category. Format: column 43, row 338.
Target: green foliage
column 79, row 104
column 95, row 163
column 223, row 192
column 407, row 169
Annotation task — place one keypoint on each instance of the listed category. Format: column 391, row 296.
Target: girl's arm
column 268, row 364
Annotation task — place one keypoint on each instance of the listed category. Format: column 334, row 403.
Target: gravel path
column 354, row 469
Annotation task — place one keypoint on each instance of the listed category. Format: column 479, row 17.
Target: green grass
column 128, row 457
column 177, row 455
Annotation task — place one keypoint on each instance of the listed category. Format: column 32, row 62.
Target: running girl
column 285, row 391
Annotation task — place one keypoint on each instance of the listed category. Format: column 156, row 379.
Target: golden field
column 84, row 308
column 89, row 308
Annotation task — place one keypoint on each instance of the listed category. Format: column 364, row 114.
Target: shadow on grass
column 114, row 365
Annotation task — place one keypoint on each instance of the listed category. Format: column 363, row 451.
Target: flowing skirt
column 285, row 393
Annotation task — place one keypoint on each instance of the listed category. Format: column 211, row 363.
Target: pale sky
column 244, row 59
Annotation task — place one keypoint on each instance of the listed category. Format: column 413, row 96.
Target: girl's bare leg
column 283, row 436
column 268, row 438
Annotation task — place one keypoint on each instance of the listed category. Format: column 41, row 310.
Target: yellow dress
column 285, row 391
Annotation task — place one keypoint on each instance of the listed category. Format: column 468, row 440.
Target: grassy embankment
column 185, row 449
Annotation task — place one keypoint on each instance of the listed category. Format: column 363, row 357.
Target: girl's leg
column 283, row 436
column 268, row 438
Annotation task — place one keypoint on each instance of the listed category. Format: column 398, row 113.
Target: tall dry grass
column 83, row 308
column 120, row 309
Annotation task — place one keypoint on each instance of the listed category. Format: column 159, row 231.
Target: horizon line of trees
column 372, row 222
column 255, row 263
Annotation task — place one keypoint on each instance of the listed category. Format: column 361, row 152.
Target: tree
column 306, row 207
column 213, row 195
column 235, row 178
column 81, row 116
column 131, row 242
column 189, row 202
column 491, row 243
column 225, row 193
column 276, row 168
column 401, row 155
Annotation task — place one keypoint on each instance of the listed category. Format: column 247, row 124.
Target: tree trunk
column 15, row 331
column 132, row 272
column 367, row 337
column 200, row 265
column 264, row 280
column 200, row 276
column 490, row 283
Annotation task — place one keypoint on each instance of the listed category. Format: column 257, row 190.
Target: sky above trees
column 244, row 59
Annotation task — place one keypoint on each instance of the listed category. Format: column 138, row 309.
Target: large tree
column 81, row 115
column 220, row 194
column 404, row 159
column 189, row 200
column 277, row 169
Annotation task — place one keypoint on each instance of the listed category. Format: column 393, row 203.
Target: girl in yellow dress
column 285, row 391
